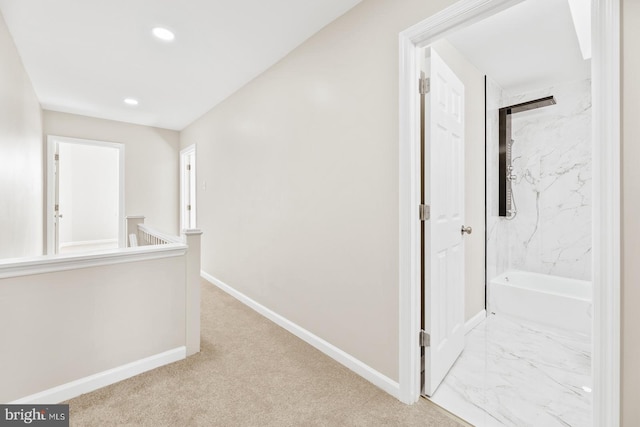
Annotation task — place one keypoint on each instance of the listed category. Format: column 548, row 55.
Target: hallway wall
column 327, row 114
column 298, row 183
column 21, row 187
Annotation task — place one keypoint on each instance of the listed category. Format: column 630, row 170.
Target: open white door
column 443, row 194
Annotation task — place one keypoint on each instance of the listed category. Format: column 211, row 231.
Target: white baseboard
column 474, row 321
column 102, row 379
column 357, row 366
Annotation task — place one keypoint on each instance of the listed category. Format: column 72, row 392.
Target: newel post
column 132, row 226
column 192, row 239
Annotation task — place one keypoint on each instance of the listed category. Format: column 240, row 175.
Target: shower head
column 532, row 105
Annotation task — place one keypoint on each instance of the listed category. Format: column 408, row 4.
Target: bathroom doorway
column 605, row 186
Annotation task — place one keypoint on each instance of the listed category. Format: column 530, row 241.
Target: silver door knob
column 467, row 230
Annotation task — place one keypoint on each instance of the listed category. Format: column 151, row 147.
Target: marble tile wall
column 551, row 157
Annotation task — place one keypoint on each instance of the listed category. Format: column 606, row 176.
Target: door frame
column 183, row 191
column 605, row 33
column 52, row 140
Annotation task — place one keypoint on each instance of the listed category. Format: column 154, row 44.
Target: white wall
column 300, row 208
column 151, row 163
column 21, row 179
column 473, row 81
column 88, row 188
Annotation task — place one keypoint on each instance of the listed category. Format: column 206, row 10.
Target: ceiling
column 526, row 47
column 86, row 56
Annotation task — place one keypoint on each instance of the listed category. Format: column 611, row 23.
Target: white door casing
column 443, row 252
column 53, row 216
column 188, row 188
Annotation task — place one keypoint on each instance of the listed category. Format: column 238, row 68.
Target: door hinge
column 425, row 339
column 188, row 167
column 56, row 208
column 424, row 85
column 424, row 212
column 188, row 207
column 56, row 157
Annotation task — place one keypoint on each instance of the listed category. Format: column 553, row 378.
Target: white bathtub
column 550, row 300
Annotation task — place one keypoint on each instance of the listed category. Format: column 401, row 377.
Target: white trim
column 88, row 243
column 474, row 321
column 183, row 191
column 52, row 140
column 409, row 251
column 606, row 195
column 15, row 267
column 102, row 379
column 453, row 18
column 192, row 232
column 606, row 212
column 51, row 190
column 357, row 366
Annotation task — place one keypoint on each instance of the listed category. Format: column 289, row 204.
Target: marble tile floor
column 514, row 373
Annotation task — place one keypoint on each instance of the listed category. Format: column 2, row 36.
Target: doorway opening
column 605, row 231
column 188, row 188
column 85, row 195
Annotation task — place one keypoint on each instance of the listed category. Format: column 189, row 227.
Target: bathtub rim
column 500, row 280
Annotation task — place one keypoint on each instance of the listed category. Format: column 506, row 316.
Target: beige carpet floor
column 250, row 372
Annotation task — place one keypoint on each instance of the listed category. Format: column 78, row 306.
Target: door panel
column 443, row 247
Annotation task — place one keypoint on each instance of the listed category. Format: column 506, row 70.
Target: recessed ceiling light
column 163, row 34
column 587, row 389
column 131, row 101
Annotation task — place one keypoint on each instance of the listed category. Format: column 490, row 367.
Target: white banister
column 150, row 236
column 16, row 267
column 159, row 298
